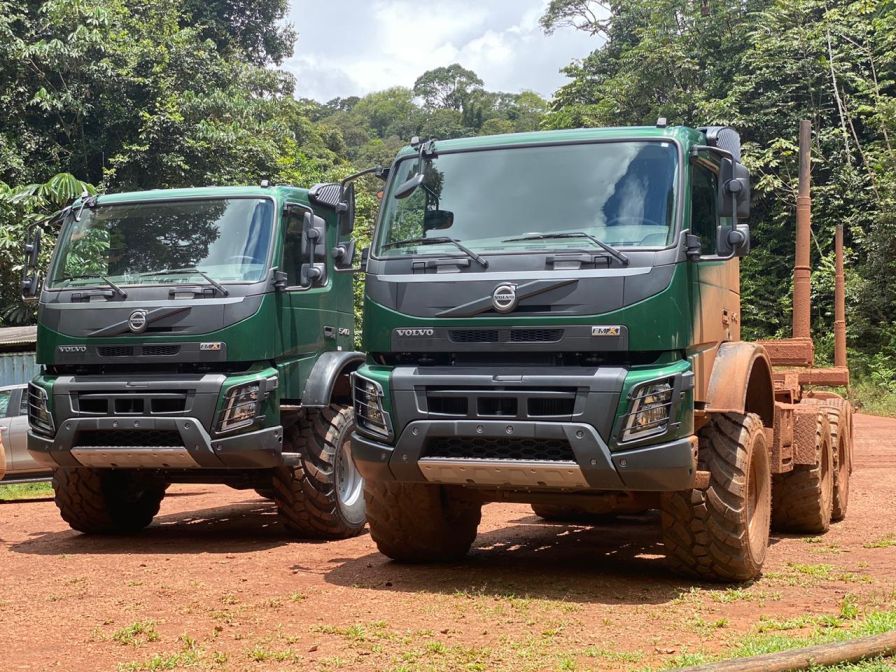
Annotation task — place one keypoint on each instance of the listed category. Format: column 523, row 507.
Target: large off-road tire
column 100, row 501
column 417, row 522
column 721, row 533
column 322, row 497
column 839, row 413
column 802, row 499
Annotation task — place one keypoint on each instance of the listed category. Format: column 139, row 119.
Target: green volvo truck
column 554, row 318
column 198, row 336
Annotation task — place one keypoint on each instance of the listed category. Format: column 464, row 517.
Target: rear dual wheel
column 804, row 497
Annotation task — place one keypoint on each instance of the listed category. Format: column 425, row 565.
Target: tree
column 449, row 87
column 253, row 28
column 590, row 16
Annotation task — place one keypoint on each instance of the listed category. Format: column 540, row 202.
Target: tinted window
column 620, row 192
column 4, row 402
column 292, row 248
column 129, row 243
column 704, row 207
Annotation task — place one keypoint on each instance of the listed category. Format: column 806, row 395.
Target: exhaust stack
column 801, row 271
column 839, row 302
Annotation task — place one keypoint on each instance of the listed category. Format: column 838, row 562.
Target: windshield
column 621, row 193
column 155, row 243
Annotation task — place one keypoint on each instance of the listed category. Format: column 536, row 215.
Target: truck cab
column 552, row 318
column 199, row 335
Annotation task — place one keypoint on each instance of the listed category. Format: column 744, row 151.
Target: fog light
column 39, row 416
column 368, row 403
column 241, row 407
column 651, row 404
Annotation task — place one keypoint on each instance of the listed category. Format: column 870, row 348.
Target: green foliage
column 761, row 66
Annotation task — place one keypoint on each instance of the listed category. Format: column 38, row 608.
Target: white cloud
column 353, row 47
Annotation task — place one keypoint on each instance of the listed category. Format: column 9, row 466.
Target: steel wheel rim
column 349, row 484
column 758, row 514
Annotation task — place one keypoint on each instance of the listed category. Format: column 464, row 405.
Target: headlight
column 369, row 413
column 649, row 408
column 39, row 416
column 241, row 406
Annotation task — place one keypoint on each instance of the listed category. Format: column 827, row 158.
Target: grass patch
column 136, row 633
column 773, row 636
column 887, row 541
column 10, row 492
column 874, row 399
column 189, row 655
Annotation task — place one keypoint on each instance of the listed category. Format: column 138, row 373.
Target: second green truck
column 554, row 318
column 198, row 336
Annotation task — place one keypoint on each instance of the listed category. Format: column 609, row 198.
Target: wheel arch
column 741, row 382
column 329, row 380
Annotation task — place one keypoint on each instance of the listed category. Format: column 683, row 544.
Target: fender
column 325, row 375
column 741, row 382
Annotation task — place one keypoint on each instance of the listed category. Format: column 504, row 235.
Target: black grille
column 539, row 450
column 116, row 350
column 447, row 405
column 160, row 350
column 536, row 335
column 545, row 406
column 473, row 335
column 128, row 437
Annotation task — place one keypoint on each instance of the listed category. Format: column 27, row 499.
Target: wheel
column 839, row 412
column 804, row 497
column 100, row 501
column 721, row 533
column 265, row 493
column 418, row 522
column 322, row 497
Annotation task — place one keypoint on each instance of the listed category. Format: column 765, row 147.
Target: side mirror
column 734, row 189
column 346, row 210
column 365, row 256
column 344, row 255
column 314, row 266
column 437, row 219
column 32, row 250
column 32, row 284
column 409, row 186
column 733, row 241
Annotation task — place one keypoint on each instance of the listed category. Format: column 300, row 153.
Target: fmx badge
column 606, row 330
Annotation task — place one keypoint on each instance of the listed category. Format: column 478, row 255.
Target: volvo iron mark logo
column 137, row 321
column 504, row 298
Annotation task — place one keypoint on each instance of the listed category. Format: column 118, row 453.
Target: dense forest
column 118, row 95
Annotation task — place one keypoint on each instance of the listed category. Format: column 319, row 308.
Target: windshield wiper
column 191, row 269
column 623, row 259
column 435, row 241
column 118, row 290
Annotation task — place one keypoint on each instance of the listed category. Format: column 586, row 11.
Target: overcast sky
column 353, row 47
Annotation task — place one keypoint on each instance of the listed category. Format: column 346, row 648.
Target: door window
column 704, row 207
column 292, row 247
column 4, row 402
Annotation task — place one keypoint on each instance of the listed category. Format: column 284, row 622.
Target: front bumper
column 658, row 468
column 195, row 449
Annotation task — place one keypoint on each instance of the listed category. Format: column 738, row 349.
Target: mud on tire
column 417, row 522
column 100, row 501
column 721, row 534
column 803, row 498
column 839, row 412
column 321, row 497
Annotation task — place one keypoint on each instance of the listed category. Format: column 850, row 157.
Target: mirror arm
column 696, row 149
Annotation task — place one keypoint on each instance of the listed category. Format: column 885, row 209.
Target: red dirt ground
column 217, row 585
